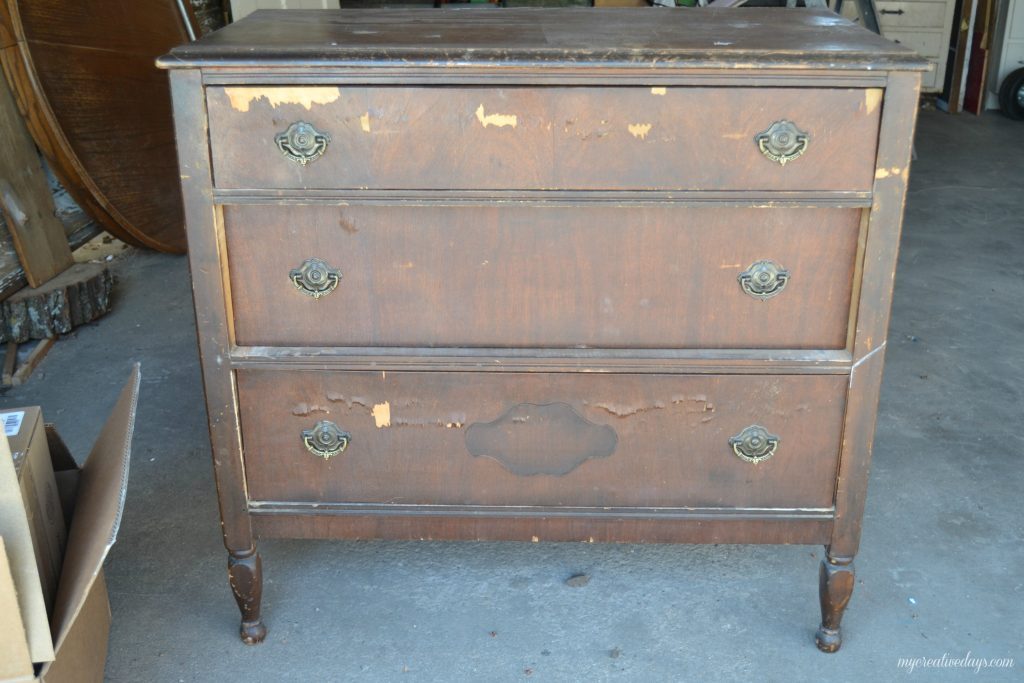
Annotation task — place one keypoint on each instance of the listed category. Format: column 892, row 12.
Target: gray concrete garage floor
column 939, row 570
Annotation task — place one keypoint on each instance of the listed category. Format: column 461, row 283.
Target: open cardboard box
column 70, row 646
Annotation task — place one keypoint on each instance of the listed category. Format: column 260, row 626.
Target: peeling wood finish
column 496, row 120
column 639, row 130
column 540, row 334
column 561, row 444
column 872, row 98
column 547, row 138
column 382, row 414
column 242, row 98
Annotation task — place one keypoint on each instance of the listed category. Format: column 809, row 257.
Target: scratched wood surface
column 542, row 275
column 758, row 37
column 586, row 138
column 410, row 432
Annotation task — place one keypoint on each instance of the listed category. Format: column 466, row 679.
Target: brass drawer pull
column 302, row 143
column 315, row 278
column 782, row 142
column 754, row 444
column 325, row 440
column 764, row 279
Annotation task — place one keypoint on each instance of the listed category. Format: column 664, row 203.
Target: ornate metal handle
column 315, row 278
column 302, row 143
column 782, row 142
column 754, row 444
column 325, row 440
column 764, row 279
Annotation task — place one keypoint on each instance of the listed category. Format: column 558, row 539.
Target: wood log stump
column 78, row 295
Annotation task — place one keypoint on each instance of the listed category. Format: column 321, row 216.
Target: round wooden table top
column 98, row 108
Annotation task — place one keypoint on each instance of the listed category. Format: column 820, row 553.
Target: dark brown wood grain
column 553, row 276
column 672, row 438
column 84, row 78
column 538, row 334
column 543, row 138
column 212, row 317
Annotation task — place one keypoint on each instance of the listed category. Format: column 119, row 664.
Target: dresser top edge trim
column 760, row 36
column 514, row 75
column 682, row 61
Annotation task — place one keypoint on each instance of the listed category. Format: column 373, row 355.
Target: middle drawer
column 542, row 275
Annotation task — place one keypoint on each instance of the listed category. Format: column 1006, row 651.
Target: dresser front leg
column 835, row 584
column 245, row 572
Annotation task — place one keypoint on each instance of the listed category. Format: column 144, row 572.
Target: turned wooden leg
column 835, row 584
column 245, row 572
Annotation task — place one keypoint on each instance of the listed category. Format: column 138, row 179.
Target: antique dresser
column 548, row 275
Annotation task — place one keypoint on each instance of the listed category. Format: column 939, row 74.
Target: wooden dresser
column 548, row 275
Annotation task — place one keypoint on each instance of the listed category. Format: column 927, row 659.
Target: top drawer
column 543, row 138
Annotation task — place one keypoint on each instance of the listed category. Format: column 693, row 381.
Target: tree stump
column 78, row 295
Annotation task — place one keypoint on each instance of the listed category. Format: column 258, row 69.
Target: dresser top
column 643, row 38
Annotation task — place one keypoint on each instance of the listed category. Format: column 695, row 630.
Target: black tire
column 1011, row 95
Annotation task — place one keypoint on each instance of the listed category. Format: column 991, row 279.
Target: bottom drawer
column 541, row 439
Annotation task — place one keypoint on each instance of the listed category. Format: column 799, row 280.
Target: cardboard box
column 32, row 465
column 71, row 645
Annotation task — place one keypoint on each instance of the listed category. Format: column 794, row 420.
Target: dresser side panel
column 212, row 319
column 899, row 116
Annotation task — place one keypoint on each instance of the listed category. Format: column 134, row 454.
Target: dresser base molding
column 585, row 528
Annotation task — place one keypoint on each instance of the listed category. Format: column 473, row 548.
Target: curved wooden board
column 100, row 111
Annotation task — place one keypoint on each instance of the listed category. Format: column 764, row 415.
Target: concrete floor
column 939, row 570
